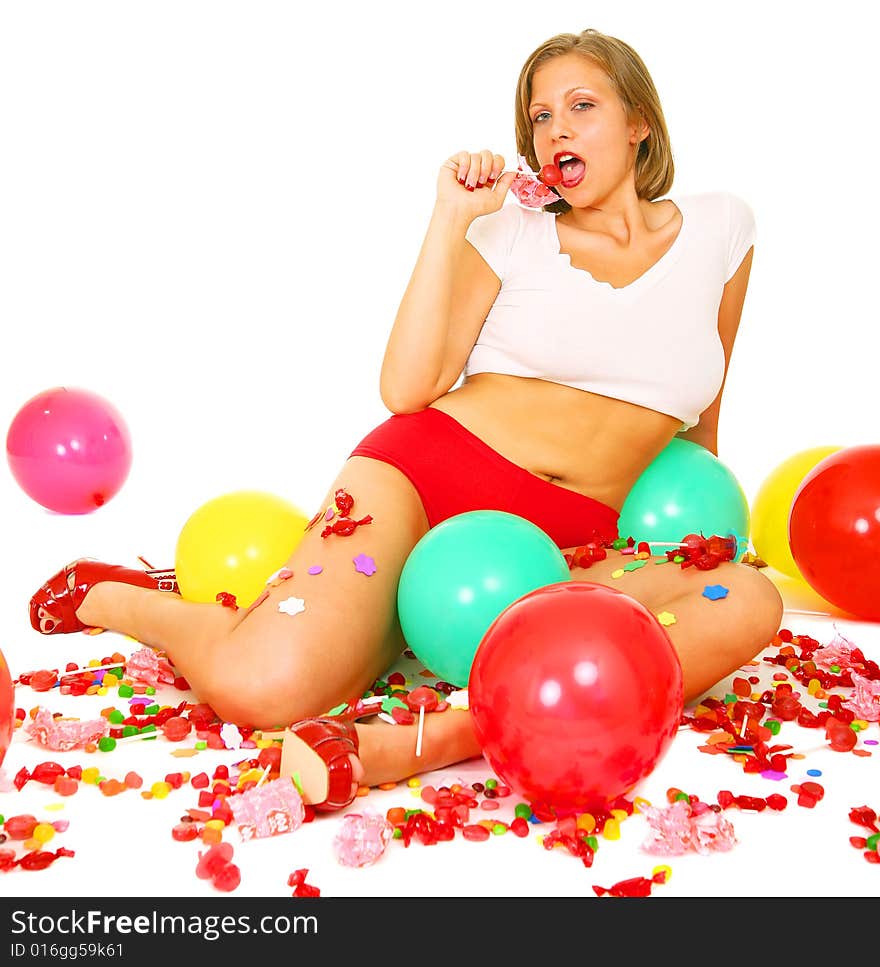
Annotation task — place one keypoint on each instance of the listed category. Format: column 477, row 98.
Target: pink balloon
column 69, row 450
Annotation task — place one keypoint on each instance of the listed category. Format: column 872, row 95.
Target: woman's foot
column 322, row 753
column 53, row 609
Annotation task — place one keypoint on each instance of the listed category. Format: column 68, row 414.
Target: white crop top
column 654, row 342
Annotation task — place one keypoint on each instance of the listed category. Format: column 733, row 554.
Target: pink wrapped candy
column 362, row 838
column 529, row 191
column 683, row 828
column 149, row 668
column 61, row 735
column 267, row 810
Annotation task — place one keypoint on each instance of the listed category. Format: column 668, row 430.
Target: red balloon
column 834, row 530
column 7, row 708
column 575, row 693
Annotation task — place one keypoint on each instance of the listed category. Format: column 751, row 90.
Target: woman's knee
column 759, row 604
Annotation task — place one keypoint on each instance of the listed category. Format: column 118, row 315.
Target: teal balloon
column 685, row 490
column 461, row 575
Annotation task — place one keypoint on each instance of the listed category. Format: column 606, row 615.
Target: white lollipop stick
column 421, row 730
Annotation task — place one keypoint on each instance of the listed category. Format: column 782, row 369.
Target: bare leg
column 388, row 752
column 712, row 638
column 264, row 667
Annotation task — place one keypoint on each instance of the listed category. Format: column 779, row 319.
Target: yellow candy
column 639, row 804
column 611, row 829
column 662, row 869
column 814, row 686
column 252, row 775
column 160, row 789
column 215, row 824
column 618, row 573
column 586, row 821
column 91, row 774
column 414, row 783
column 43, row 832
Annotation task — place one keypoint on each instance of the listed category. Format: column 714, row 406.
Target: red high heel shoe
column 317, row 750
column 53, row 607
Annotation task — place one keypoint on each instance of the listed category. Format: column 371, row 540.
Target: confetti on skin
column 666, row 618
column 315, row 569
column 634, row 565
column 618, row 573
column 715, row 591
column 292, row 606
column 364, row 564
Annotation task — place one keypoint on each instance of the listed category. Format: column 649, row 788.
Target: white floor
column 123, row 844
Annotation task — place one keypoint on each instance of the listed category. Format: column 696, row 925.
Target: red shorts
column 455, row 472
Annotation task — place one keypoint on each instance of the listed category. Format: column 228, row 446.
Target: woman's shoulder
column 716, row 203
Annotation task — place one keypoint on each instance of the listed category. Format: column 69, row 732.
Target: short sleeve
column 492, row 236
column 740, row 234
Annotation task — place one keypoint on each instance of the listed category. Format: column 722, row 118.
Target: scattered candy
column 61, row 735
column 268, row 810
column 684, row 827
column 297, row 879
column 362, row 838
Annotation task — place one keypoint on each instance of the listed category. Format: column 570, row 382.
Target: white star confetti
column 292, row 606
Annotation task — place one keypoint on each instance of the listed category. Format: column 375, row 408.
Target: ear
column 639, row 129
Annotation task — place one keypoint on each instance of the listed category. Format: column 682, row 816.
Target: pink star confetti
column 364, row 564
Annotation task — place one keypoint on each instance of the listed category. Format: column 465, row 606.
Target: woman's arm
column 729, row 314
column 449, row 293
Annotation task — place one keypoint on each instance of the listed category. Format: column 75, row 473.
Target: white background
column 209, row 212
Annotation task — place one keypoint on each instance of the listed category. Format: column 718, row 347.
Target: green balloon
column 461, row 575
column 685, row 490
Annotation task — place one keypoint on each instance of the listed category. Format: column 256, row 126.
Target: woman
column 589, row 337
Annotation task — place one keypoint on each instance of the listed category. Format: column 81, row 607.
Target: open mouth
column 572, row 167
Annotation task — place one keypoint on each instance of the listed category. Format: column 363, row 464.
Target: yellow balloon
column 235, row 543
column 772, row 505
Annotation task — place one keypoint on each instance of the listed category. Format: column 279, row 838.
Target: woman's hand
column 473, row 184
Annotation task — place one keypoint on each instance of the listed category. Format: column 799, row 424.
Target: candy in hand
column 529, row 190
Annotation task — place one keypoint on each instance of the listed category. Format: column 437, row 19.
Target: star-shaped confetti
column 715, row 591
column 292, row 606
column 666, row 618
column 364, row 564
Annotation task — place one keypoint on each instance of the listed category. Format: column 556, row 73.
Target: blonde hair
column 654, row 169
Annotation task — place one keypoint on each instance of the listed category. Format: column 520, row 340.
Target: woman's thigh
column 324, row 635
column 660, row 582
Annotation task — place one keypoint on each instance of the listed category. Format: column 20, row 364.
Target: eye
column 578, row 105
column 584, row 104
column 538, row 117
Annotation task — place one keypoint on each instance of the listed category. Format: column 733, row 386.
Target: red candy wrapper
column 529, row 191
column 362, row 838
column 61, row 735
column 267, row 810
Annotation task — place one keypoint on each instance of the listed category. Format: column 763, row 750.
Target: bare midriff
column 592, row 444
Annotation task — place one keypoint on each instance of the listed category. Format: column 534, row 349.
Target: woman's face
column 576, row 112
